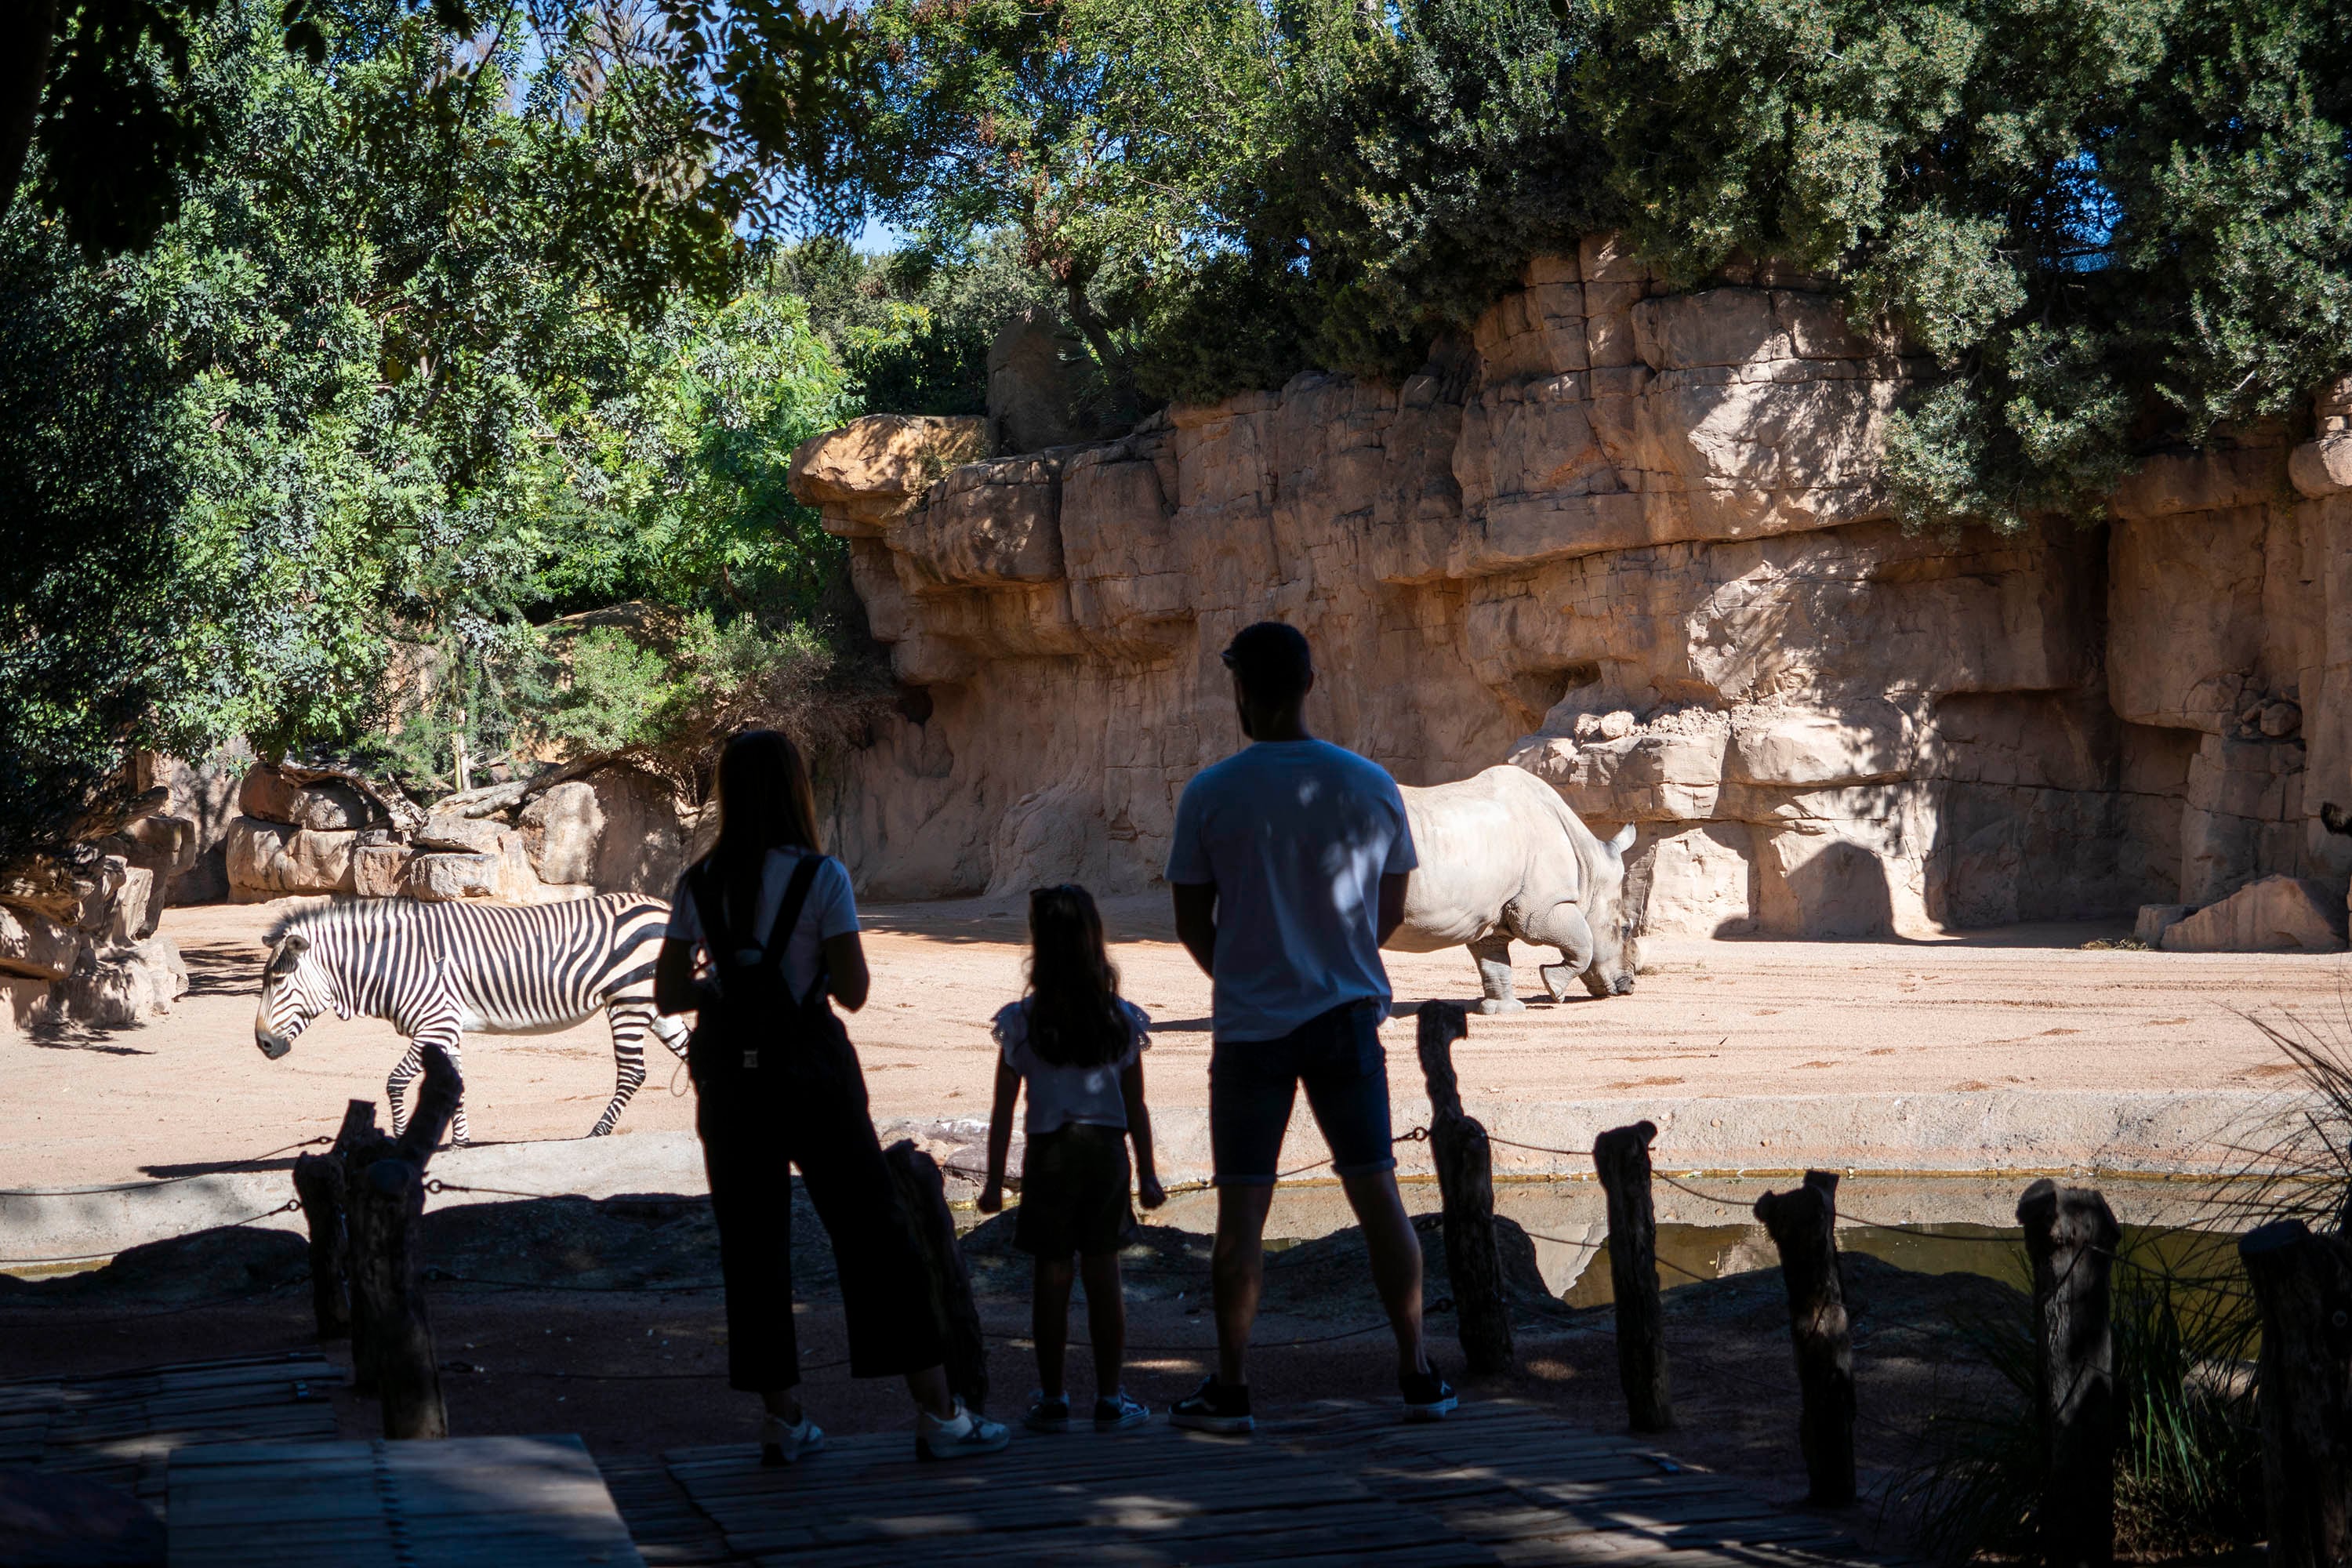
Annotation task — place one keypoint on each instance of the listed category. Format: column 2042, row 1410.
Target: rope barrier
column 159, row 1181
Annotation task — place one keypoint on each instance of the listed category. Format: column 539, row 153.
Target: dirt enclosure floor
column 2024, row 1008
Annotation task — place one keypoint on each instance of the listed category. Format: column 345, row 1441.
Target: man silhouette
column 1288, row 869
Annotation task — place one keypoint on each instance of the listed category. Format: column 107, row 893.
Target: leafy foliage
column 2104, row 229
column 88, row 482
column 2189, row 1465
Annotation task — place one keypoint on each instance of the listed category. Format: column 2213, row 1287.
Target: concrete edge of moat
column 1996, row 1134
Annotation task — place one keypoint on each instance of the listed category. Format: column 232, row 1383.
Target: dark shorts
column 1074, row 1184
column 1336, row 1055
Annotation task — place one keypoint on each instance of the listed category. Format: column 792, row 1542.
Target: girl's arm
column 845, row 969
column 1139, row 1127
column 674, row 976
column 999, row 1136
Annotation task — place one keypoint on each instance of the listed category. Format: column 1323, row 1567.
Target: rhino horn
column 1622, row 841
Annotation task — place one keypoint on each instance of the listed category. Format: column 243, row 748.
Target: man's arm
column 1391, row 903
column 1196, row 920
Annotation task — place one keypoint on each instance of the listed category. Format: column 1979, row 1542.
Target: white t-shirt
column 1060, row 1095
column 1297, row 836
column 831, row 911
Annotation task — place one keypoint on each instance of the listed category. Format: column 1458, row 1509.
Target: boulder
column 446, row 875
column 203, row 794
column 324, row 807
column 501, row 870
column 2277, row 914
column 101, row 885
column 137, row 907
column 561, row 830
column 875, row 467
column 446, row 831
column 379, row 870
column 270, row 860
column 2155, row 919
column 123, row 985
column 33, row 944
column 642, row 846
column 25, row 1004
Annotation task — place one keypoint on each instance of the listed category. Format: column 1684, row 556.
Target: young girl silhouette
column 1079, row 1047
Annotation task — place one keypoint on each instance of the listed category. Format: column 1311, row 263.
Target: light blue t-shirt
column 1297, row 836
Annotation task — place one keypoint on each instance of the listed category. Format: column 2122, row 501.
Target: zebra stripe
column 438, row 970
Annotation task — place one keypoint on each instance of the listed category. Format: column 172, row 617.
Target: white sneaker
column 960, row 1436
column 1116, row 1412
column 784, row 1442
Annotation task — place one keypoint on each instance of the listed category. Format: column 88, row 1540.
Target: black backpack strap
column 788, row 913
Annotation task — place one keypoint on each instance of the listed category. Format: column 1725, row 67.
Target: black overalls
column 777, row 1080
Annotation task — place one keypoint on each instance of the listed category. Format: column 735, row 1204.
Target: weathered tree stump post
column 1622, row 1156
column 1466, row 1186
column 318, row 1185
column 1803, row 1225
column 2070, row 1238
column 2302, row 1285
column 393, row 1353
column 923, row 1200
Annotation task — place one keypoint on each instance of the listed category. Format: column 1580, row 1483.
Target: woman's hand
column 1150, row 1191
column 991, row 1199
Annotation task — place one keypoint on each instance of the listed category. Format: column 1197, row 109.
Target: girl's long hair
column 765, row 802
column 1074, row 1017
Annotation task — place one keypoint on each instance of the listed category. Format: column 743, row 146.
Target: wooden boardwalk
column 117, row 1427
column 515, row 1502
column 1499, row 1483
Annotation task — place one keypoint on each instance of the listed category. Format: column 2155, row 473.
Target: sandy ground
column 2026, row 1006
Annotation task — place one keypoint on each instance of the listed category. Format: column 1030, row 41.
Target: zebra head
column 294, row 989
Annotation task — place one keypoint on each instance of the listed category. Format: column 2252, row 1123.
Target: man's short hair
column 1272, row 661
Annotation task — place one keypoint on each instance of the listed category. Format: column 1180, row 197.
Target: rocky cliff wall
column 1635, row 540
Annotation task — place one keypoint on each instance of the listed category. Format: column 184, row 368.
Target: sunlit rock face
column 1636, row 542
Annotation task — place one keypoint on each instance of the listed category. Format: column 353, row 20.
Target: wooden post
column 923, row 1200
column 1803, row 1224
column 1466, row 1186
column 2070, row 1236
column 319, row 1184
column 1622, row 1156
column 392, row 1355
column 2302, row 1285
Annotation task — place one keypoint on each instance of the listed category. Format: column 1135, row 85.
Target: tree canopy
column 2111, row 227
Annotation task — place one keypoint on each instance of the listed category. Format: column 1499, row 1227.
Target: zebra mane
column 314, row 914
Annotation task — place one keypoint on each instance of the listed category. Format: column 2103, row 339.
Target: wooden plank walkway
column 117, row 1427
column 1498, row 1484
column 516, row 1503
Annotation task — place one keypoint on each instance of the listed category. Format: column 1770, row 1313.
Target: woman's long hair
column 1074, row 1017
column 765, row 802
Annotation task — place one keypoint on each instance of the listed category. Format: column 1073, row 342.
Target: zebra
column 437, row 971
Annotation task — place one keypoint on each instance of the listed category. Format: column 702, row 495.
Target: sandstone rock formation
column 615, row 829
column 2277, row 914
column 76, row 936
column 1635, row 541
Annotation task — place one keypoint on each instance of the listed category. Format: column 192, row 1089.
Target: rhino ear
column 1622, row 841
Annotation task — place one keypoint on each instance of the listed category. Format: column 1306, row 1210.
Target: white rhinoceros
column 1502, row 857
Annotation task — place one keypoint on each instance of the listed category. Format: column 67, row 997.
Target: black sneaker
column 1427, row 1396
column 1214, row 1408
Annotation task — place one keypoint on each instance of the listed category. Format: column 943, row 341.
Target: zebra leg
column 405, row 1068
column 457, row 1133
column 630, row 1020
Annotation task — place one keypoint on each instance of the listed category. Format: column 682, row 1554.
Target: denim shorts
column 1252, row 1084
